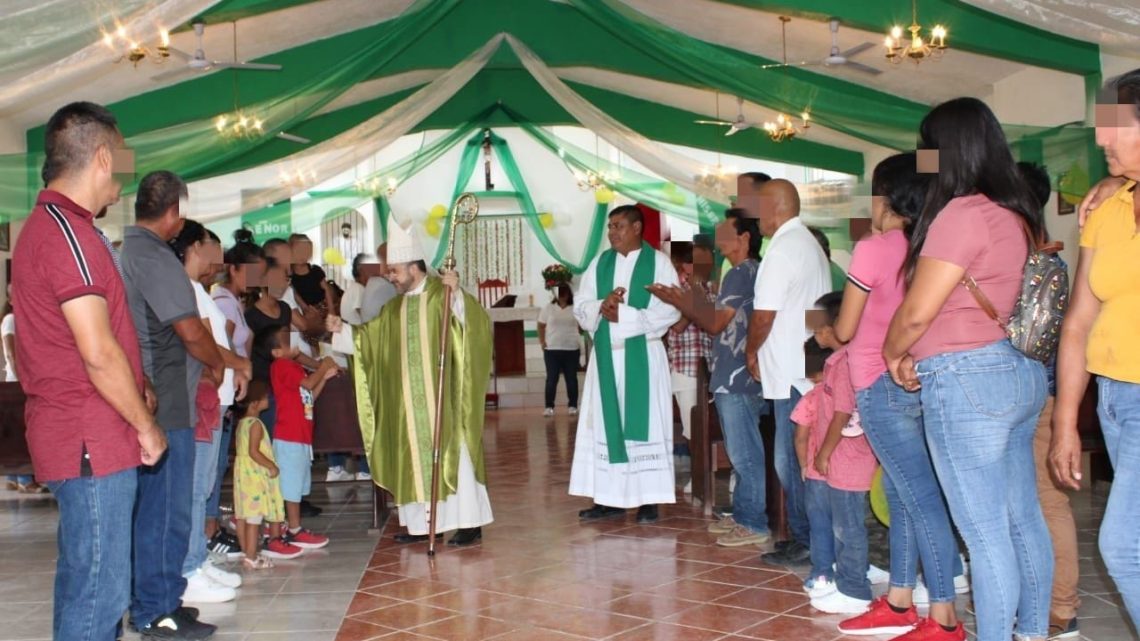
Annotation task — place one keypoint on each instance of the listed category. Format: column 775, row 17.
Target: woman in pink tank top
column 980, row 396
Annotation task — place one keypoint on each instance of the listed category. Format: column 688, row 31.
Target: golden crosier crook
column 464, row 211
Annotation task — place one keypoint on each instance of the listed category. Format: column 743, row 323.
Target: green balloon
column 879, row 499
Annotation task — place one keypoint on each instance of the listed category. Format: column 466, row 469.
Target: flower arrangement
column 556, row 274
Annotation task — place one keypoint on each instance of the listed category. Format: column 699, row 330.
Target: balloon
column 879, row 499
column 332, row 256
column 437, row 211
column 603, row 196
column 547, row 220
column 433, row 227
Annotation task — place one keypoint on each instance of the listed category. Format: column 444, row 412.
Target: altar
column 509, row 344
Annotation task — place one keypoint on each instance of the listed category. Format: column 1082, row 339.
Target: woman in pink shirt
column 980, row 396
column 892, row 420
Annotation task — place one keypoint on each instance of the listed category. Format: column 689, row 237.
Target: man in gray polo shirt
column 176, row 346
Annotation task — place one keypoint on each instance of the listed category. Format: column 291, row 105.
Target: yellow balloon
column 433, row 227
column 437, row 211
column 333, row 257
column 604, row 196
column 547, row 220
column 879, row 499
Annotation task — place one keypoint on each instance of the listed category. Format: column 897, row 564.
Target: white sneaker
column 338, row 473
column 200, row 589
column 573, row 411
column 839, row 603
column 877, row 575
column 922, row 593
column 220, row 576
column 363, row 476
column 961, row 584
column 819, row 587
column 548, row 411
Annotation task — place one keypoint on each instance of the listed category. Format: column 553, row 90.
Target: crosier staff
column 464, row 211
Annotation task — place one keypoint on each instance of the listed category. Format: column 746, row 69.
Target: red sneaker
column 930, row 630
column 305, row 539
column 278, row 548
column 881, row 619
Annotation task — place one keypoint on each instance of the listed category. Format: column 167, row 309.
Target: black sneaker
column 177, row 625
column 647, row 514
column 308, row 510
column 794, row 553
column 225, row 544
column 600, row 512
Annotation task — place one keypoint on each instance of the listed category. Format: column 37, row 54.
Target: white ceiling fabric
column 1112, row 23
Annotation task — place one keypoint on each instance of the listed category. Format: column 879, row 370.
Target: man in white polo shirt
column 792, row 276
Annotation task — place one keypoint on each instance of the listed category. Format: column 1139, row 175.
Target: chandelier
column 297, row 179
column 898, row 49
column 239, row 125
column 377, row 186
column 592, row 180
column 716, row 179
column 133, row 50
column 785, row 129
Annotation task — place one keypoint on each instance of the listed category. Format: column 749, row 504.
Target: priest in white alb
column 623, row 455
column 395, row 369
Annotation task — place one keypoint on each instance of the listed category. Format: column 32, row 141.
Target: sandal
column 260, row 563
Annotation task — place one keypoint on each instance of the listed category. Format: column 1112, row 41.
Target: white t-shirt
column 561, row 327
column 350, row 303
column 8, row 328
column 295, row 337
column 209, row 310
column 792, row 276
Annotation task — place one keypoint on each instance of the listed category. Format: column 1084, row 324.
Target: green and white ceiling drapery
column 1114, row 23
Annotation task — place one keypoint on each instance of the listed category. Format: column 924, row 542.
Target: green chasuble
column 396, row 368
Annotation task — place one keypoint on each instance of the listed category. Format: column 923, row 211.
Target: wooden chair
column 491, row 290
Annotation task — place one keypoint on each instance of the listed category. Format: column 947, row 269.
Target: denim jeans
column 561, row 363
column 980, row 408
column 213, row 503
column 838, row 536
column 1119, row 411
column 205, row 473
column 162, row 529
column 920, row 525
column 740, row 421
column 93, row 575
column 788, row 468
column 338, row 459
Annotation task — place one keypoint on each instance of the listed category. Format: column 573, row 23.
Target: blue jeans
column 213, row 504
column 740, row 421
column 838, row 536
column 93, row 575
column 920, row 525
column 338, row 459
column 205, row 473
column 1119, row 411
column 162, row 529
column 980, row 408
column 788, row 468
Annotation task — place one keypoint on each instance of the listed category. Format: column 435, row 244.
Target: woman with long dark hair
column 1100, row 337
column 892, row 418
column 980, row 396
column 558, row 334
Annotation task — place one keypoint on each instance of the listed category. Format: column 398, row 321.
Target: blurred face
column 702, row 263
column 211, row 253
column 276, row 282
column 1118, row 132
column 372, row 270
column 302, row 252
column 115, row 166
column 282, row 253
column 733, row 246
column 247, row 276
column 624, row 236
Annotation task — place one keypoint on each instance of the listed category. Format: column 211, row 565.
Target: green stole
column 636, row 426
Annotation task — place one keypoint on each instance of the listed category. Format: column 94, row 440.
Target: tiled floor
column 538, row 575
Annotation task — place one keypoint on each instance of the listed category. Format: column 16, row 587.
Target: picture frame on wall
column 1064, row 208
column 5, row 236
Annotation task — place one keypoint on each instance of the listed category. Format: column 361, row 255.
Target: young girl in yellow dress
column 257, row 493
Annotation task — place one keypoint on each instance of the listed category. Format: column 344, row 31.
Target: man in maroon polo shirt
column 88, row 423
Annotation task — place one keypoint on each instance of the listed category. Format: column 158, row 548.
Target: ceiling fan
column 835, row 58
column 740, row 124
column 199, row 63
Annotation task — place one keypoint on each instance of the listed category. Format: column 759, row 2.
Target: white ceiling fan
column 740, row 124
column 835, row 58
column 199, row 63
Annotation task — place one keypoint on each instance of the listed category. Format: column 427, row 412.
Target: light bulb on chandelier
column 132, row 50
column 377, row 186
column 592, row 180
column 239, row 125
column 900, row 47
column 297, row 179
column 785, row 129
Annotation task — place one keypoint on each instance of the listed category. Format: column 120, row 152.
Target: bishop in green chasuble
column 623, row 452
column 396, row 371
